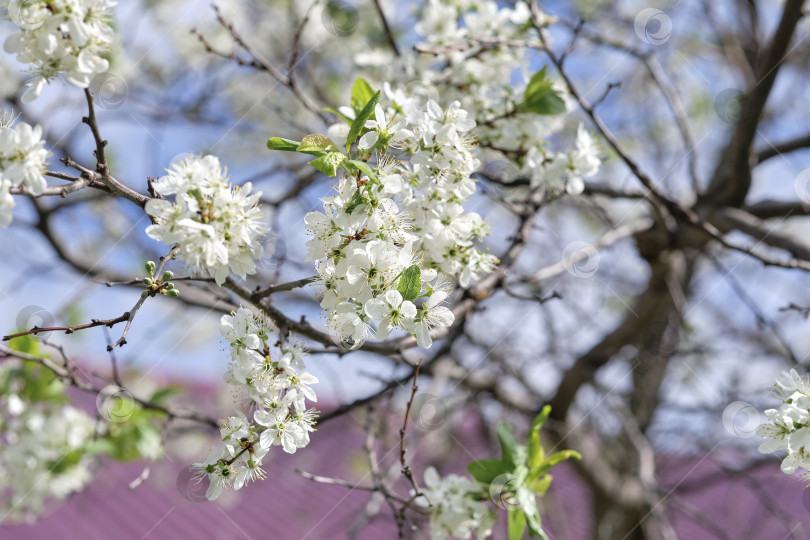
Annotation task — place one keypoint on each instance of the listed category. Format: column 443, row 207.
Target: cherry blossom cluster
column 397, row 216
column 216, row 224
column 789, row 426
column 43, row 451
column 61, row 36
column 22, row 163
column 277, row 385
column 456, row 507
column 471, row 53
column 436, row 182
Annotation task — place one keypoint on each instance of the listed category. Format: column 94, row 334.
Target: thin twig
column 389, row 34
column 290, row 285
column 158, row 271
column 70, row 329
column 406, row 470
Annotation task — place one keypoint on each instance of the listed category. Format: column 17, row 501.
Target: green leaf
column 514, row 454
column 101, row 446
column 517, row 523
column 541, row 418
column 356, row 201
column 355, row 165
column 486, row 470
column 287, row 145
column 360, row 121
column 163, row 393
column 528, row 504
column 40, row 384
column 361, row 94
column 339, row 115
column 328, row 163
column 410, row 284
column 65, row 463
column 540, row 97
column 536, row 453
column 27, row 344
column 552, row 460
column 316, row 143
column 539, row 486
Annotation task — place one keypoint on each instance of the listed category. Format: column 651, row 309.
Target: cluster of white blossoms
column 437, row 181
column 42, row 453
column 560, row 170
column 23, row 160
column 789, row 427
column 216, row 224
column 471, row 53
column 277, row 385
column 457, row 509
column 394, row 230
column 61, row 36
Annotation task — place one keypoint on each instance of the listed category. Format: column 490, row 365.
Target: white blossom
column 408, row 211
column 788, row 428
column 61, row 36
column 217, row 225
column 457, row 509
column 275, row 380
column 23, row 156
column 42, row 451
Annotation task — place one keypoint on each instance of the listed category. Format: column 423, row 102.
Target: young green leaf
column 528, row 503
column 356, row 201
column 410, row 283
column 287, row 145
column 554, row 459
column 486, row 470
column 361, row 118
column 65, row 463
column 361, row 94
column 316, row 143
column 539, row 96
column 536, row 453
column 517, row 523
column 541, row 418
column 328, row 163
column 540, row 485
column 101, row 446
column 164, row 393
column 355, row 165
column 514, row 454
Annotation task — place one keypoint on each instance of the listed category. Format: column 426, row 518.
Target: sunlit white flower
column 456, row 507
column 61, row 36
column 23, row 156
column 788, row 428
column 248, row 467
column 431, row 314
column 391, row 311
column 217, row 225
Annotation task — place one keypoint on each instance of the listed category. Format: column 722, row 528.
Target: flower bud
column 148, row 281
column 173, row 293
column 167, row 275
column 144, row 294
column 150, row 267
